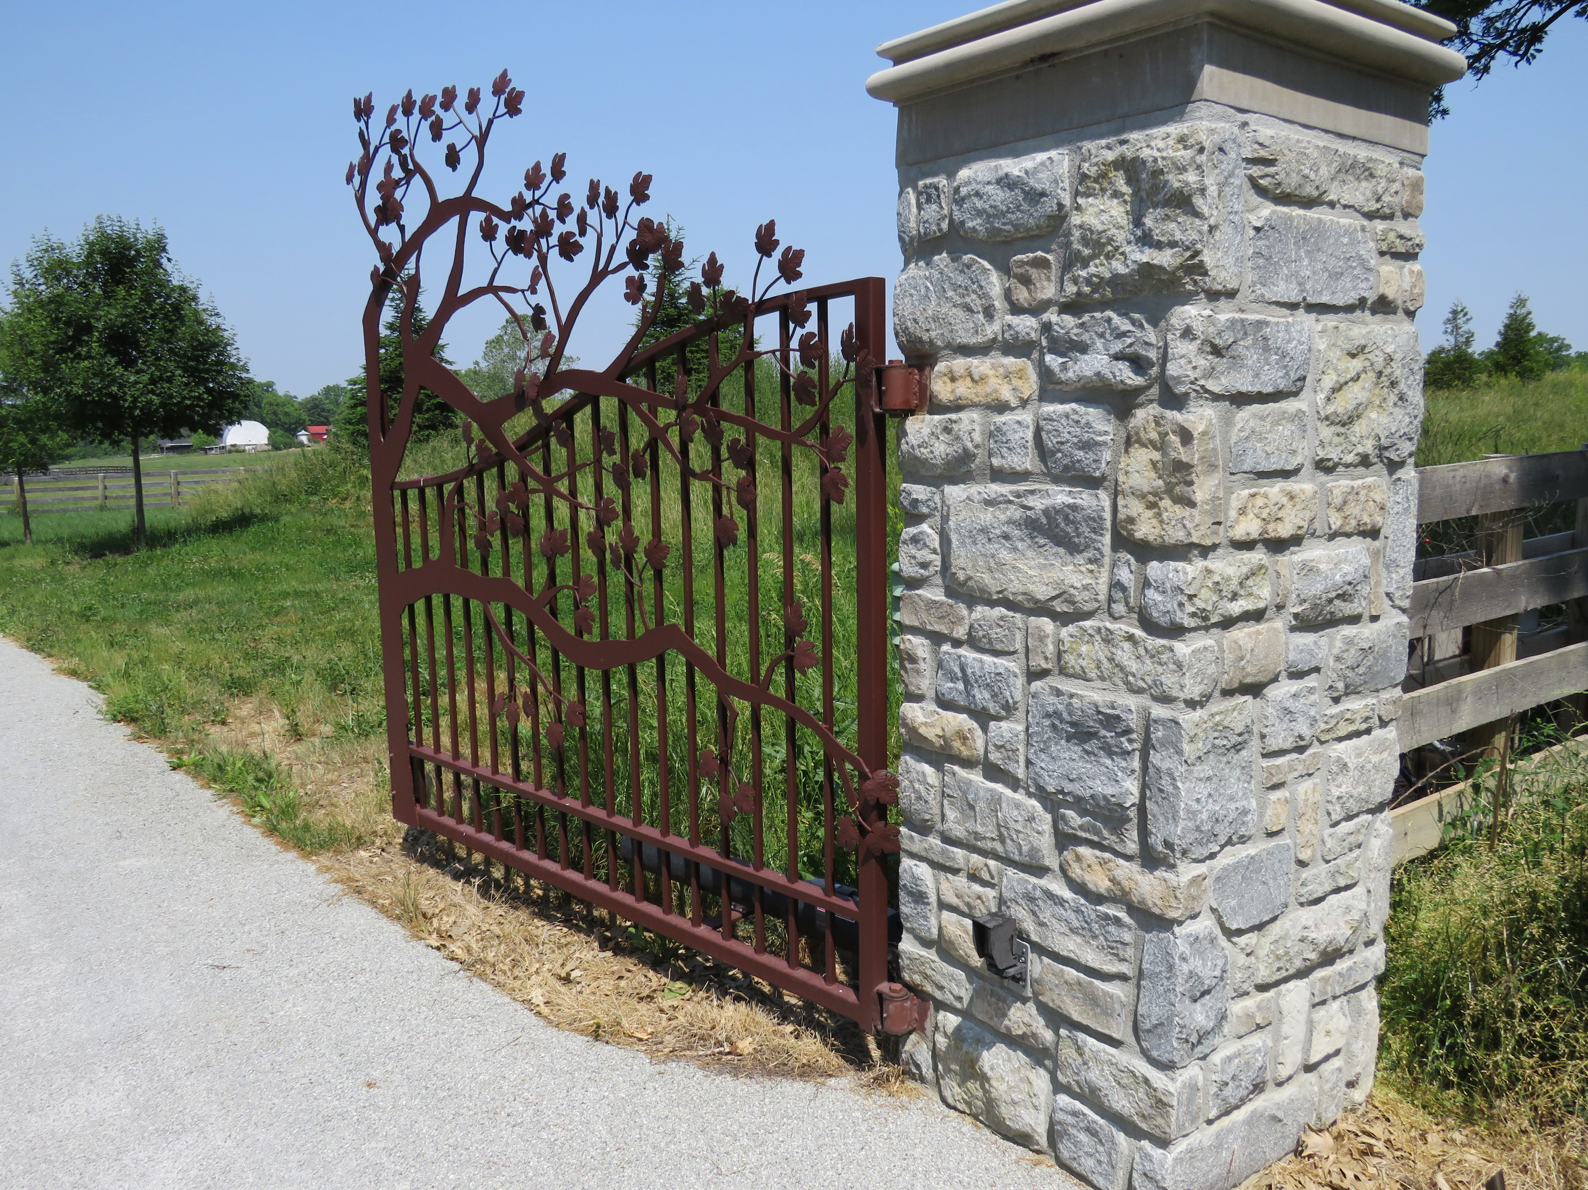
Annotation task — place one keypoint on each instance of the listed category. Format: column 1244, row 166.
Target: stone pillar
column 1160, row 521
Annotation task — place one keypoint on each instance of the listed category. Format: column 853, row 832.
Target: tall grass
column 1505, row 416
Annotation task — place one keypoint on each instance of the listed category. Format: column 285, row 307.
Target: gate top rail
column 1500, row 484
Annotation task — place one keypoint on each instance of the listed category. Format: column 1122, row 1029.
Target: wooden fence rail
column 161, row 489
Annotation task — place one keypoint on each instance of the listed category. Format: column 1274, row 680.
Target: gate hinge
column 903, row 388
column 902, row 1011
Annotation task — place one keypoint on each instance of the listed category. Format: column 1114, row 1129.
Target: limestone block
column 927, row 973
column 1347, row 719
column 931, row 613
column 1387, row 291
column 1170, row 479
column 1041, row 644
column 1171, row 895
column 1400, row 537
column 949, row 444
column 1293, row 1015
column 931, row 204
column 1309, row 809
column 1201, row 776
column 1369, row 659
column 1084, row 749
column 1253, row 656
column 1184, row 993
column 1097, row 651
column 1077, row 438
column 1012, row 445
column 1253, row 888
column 996, row 629
column 958, row 940
column 1347, row 837
column 947, row 303
column 915, row 665
column 993, row 1081
column 920, row 792
column 1361, row 1047
column 1329, row 585
column 1319, row 881
column 1251, row 1013
column 1236, row 1073
column 918, row 899
column 1158, row 212
column 941, row 731
column 1118, row 834
column 1360, row 775
column 1412, row 194
column 1297, row 169
column 1006, row 748
column 980, row 683
column 1378, row 863
column 919, row 557
column 1278, row 812
column 1358, row 505
column 1318, row 259
column 1013, row 1016
column 1229, row 1152
column 985, row 816
column 1159, row 1103
column 904, row 218
column 1020, row 330
column 917, row 500
column 1012, row 198
column 1040, row 547
column 1122, row 586
column 1414, row 289
column 1331, row 1024
column 1101, row 1006
column 1197, row 594
column 993, row 381
column 1290, row 713
column 1369, row 393
column 1304, row 938
column 1089, row 1146
column 1399, row 239
column 1306, row 651
column 1269, row 438
column 1235, row 355
column 1031, row 280
column 1275, row 513
column 1103, row 349
column 1099, row 937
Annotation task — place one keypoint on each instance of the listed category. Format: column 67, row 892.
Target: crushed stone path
column 183, row 1003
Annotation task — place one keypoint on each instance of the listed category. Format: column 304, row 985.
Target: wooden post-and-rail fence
column 1474, row 667
column 113, row 491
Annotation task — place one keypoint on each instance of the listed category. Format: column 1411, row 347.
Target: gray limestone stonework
column 1159, row 519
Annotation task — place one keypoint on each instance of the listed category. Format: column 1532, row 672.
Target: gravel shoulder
column 186, row 1004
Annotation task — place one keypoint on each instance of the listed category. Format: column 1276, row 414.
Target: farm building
column 245, row 435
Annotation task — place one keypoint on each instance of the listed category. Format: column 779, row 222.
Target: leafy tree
column 109, row 332
column 203, row 441
column 31, row 438
column 281, row 440
column 1453, row 364
column 1557, row 351
column 432, row 415
column 494, row 373
column 321, row 408
column 1517, row 352
column 1488, row 31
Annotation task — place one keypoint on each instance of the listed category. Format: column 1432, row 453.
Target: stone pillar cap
column 1380, row 36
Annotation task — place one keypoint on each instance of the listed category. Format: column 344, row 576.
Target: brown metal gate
column 635, row 647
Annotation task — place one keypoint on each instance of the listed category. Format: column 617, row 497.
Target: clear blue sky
column 231, row 126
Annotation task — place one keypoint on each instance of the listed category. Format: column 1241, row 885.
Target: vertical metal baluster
column 725, row 787
column 494, row 792
column 790, row 767
column 575, row 572
column 631, row 562
column 532, row 680
column 416, row 730
column 827, row 629
column 692, row 756
column 598, row 459
column 560, row 786
column 752, row 533
column 430, row 637
column 664, row 774
column 514, row 760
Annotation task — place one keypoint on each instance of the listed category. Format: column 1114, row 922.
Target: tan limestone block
column 1412, row 194
column 1031, row 280
column 1169, row 479
column 1307, row 822
column 1278, row 812
column 1169, row 896
column 1414, row 289
column 1358, row 505
column 941, row 731
column 1387, row 293
column 1274, row 513
column 1253, row 656
column 993, row 381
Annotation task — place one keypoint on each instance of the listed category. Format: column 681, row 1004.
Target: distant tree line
column 1521, row 350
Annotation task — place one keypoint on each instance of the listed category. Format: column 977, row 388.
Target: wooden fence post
column 101, row 491
column 1494, row 641
column 1577, row 618
column 175, row 489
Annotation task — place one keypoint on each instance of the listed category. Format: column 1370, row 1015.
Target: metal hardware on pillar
column 903, row 388
column 901, row 1011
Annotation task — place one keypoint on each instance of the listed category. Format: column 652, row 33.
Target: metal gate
column 635, row 647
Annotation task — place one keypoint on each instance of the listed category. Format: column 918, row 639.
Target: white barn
column 245, row 435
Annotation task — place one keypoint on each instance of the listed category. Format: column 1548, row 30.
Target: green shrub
column 1485, row 994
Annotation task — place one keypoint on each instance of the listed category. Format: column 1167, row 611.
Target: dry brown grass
column 1389, row 1142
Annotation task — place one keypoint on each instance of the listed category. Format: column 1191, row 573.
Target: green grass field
column 1505, row 416
column 186, row 460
